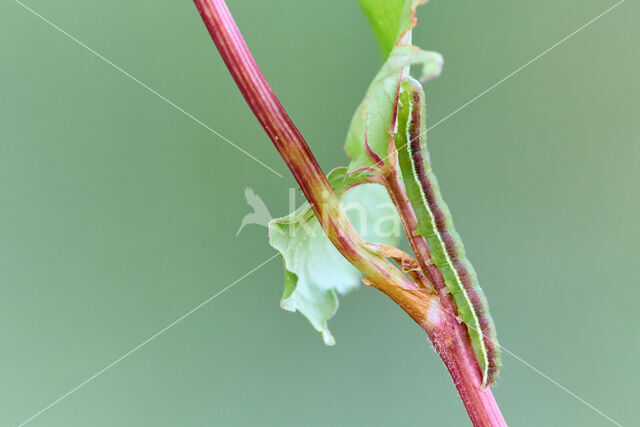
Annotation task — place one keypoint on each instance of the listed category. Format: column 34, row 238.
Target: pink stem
column 292, row 146
column 447, row 336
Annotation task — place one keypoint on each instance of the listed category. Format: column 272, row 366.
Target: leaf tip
column 328, row 339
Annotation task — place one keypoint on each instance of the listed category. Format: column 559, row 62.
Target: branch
column 421, row 304
column 294, row 150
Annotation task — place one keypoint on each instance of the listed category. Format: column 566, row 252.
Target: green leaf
column 390, row 20
column 372, row 122
column 315, row 272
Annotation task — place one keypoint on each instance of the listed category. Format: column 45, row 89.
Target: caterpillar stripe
column 436, row 226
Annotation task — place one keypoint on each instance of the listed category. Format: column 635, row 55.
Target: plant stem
column 422, row 305
column 293, row 148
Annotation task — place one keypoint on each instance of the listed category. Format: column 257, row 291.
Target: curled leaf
column 390, row 20
column 372, row 124
column 315, row 272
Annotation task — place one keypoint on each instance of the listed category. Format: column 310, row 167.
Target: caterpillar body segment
column 436, row 226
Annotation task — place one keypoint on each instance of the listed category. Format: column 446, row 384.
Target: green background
column 118, row 214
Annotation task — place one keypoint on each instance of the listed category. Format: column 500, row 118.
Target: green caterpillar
column 436, row 226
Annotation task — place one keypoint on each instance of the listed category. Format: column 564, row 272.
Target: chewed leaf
column 315, row 272
column 390, row 20
column 317, row 305
column 372, row 124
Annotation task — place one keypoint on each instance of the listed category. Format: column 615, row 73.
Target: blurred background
column 118, row 215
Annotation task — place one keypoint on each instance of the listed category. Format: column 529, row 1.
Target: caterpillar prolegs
column 436, row 225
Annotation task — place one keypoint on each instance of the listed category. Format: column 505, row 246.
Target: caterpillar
column 436, row 226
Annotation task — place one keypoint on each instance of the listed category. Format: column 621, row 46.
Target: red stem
column 292, row 146
column 446, row 334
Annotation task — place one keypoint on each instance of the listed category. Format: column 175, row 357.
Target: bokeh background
column 118, row 214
